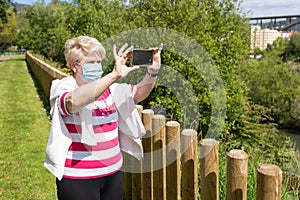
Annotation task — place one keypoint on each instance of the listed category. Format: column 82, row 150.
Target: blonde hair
column 83, row 46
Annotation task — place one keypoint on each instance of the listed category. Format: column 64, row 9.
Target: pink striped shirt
column 105, row 158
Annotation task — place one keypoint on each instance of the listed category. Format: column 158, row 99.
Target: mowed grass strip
column 24, row 128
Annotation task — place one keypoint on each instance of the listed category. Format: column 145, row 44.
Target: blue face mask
column 91, row 71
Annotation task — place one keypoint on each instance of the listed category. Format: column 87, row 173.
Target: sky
column 256, row 8
column 265, row 8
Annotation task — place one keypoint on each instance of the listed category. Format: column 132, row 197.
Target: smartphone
column 142, row 57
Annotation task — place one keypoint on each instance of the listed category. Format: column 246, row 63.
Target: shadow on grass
column 40, row 91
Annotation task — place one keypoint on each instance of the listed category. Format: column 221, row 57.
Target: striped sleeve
column 133, row 89
column 62, row 104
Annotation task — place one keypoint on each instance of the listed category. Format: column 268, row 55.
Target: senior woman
column 93, row 119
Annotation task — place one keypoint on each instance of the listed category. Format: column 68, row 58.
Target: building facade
column 260, row 38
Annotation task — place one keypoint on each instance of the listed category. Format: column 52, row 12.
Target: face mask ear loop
column 72, row 66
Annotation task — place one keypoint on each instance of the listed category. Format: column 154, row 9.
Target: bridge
column 282, row 23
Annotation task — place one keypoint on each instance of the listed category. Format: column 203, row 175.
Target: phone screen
column 142, row 57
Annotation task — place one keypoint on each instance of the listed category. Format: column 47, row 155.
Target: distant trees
column 8, row 30
column 43, row 28
column 293, row 47
column 274, row 83
column 4, row 5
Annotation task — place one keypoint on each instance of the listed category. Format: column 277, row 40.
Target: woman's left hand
column 154, row 68
column 120, row 67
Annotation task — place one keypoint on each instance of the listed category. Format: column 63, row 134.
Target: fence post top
column 138, row 106
column 269, row 169
column 147, row 111
column 189, row 132
column 208, row 145
column 237, row 154
column 208, row 142
column 159, row 117
column 172, row 123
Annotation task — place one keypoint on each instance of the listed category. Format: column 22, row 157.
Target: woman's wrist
column 153, row 74
column 152, row 71
column 114, row 76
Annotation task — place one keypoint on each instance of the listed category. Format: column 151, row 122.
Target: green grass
column 24, row 127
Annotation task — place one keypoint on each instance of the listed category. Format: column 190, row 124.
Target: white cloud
column 260, row 8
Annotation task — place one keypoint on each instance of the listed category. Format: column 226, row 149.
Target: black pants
column 105, row 188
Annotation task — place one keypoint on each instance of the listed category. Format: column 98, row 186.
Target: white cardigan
column 131, row 128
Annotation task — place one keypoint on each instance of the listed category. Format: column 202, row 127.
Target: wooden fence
column 170, row 171
column 177, row 178
column 43, row 72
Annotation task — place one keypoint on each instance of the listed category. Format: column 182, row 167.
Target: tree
column 221, row 32
column 275, row 84
column 8, row 29
column 293, row 47
column 4, row 5
column 277, row 48
column 43, row 28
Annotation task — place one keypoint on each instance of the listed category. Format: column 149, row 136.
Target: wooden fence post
column 189, row 160
column 269, row 182
column 173, row 160
column 209, row 169
column 147, row 175
column 291, row 181
column 136, row 176
column 159, row 157
column 236, row 175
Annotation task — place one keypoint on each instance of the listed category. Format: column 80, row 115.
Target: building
column 286, row 35
column 260, row 38
column 20, row 7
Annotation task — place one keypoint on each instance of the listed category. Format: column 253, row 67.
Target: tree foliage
column 293, row 47
column 216, row 25
column 274, row 84
column 3, row 8
column 8, row 29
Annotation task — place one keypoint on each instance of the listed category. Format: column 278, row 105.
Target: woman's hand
column 154, row 68
column 121, row 57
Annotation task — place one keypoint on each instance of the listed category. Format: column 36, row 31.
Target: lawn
column 24, row 127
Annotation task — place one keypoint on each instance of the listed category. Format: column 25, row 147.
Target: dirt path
column 7, row 57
